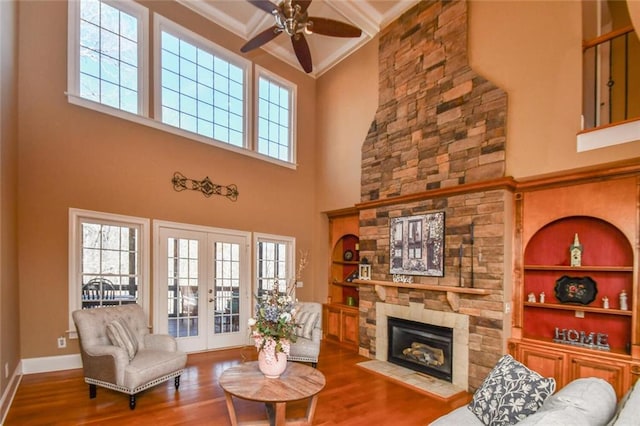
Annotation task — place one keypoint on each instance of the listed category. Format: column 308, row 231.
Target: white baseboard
column 9, row 394
column 51, row 363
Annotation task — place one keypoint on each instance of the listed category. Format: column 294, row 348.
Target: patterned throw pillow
column 306, row 323
column 119, row 335
column 510, row 393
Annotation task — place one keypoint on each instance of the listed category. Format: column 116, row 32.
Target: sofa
column 582, row 402
column 306, row 348
column 120, row 354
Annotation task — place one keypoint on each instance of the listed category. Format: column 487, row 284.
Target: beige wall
column 74, row 157
column 509, row 44
column 9, row 315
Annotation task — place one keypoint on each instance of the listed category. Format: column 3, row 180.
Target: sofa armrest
column 160, row 342
column 105, row 362
column 316, row 335
column 461, row 416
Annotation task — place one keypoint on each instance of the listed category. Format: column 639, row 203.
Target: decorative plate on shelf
column 347, row 255
column 576, row 290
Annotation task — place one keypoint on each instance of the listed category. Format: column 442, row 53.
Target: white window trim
column 159, row 257
column 75, row 215
column 161, row 23
column 290, row 241
column 293, row 96
column 73, row 57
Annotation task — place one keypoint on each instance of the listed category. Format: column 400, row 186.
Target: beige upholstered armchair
column 119, row 353
column 309, row 333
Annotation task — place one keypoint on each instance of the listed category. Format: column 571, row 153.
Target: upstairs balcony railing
column 611, row 79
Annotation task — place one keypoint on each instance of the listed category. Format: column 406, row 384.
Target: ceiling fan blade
column 262, row 38
column 265, row 5
column 332, row 28
column 304, row 4
column 301, row 47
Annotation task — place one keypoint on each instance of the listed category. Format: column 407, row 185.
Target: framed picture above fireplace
column 416, row 245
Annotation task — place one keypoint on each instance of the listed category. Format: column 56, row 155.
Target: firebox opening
column 421, row 347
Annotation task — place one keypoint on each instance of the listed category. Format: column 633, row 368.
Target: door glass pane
column 182, row 287
column 227, row 288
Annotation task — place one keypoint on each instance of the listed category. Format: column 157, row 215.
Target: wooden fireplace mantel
column 453, row 293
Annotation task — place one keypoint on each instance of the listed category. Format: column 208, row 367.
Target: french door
column 203, row 285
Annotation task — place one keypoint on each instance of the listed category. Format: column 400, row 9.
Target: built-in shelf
column 566, row 268
column 578, row 308
column 452, row 289
column 345, row 284
column 453, row 293
column 346, row 262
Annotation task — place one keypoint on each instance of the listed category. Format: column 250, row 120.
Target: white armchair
column 309, row 333
column 119, row 353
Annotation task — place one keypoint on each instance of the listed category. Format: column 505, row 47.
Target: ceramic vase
column 272, row 366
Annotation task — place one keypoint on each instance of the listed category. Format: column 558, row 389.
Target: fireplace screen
column 421, row 347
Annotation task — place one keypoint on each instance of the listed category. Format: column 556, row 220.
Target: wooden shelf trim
column 346, row 262
column 565, row 268
column 548, row 344
column 345, row 284
column 453, row 293
column 466, row 290
column 592, row 309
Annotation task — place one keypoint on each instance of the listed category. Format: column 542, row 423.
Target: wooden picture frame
column 416, row 245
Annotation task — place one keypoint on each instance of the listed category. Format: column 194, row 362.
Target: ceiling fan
column 292, row 19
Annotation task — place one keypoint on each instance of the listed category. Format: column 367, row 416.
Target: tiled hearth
column 422, row 382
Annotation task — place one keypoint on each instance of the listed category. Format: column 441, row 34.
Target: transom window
column 202, row 91
column 109, row 66
column 274, row 117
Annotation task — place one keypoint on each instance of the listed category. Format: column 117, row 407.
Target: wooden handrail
column 606, row 37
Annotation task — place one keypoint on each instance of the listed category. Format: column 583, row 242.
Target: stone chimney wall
column 439, row 126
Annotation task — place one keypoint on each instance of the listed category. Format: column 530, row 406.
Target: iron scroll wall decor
column 208, row 188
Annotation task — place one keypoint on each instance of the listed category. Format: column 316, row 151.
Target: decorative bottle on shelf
column 623, row 301
column 531, row 298
column 542, row 297
column 605, row 302
column 575, row 252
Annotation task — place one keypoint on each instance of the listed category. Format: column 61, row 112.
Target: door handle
column 211, row 299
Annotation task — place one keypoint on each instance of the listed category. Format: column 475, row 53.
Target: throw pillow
column 119, row 335
column 306, row 323
column 510, row 393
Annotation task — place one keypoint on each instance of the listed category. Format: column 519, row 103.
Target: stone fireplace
column 415, row 312
column 437, row 143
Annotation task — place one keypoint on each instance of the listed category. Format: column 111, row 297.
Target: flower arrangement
column 274, row 326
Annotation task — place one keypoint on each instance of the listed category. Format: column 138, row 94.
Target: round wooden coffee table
column 299, row 381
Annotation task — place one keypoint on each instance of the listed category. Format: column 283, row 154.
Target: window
column 202, row 90
column 274, row 259
column 108, row 53
column 108, row 260
column 275, row 115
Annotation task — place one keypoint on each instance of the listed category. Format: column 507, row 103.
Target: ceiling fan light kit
column 292, row 19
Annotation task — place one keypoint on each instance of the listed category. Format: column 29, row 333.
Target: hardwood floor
column 352, row 396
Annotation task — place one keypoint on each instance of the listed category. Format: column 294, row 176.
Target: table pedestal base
column 276, row 414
